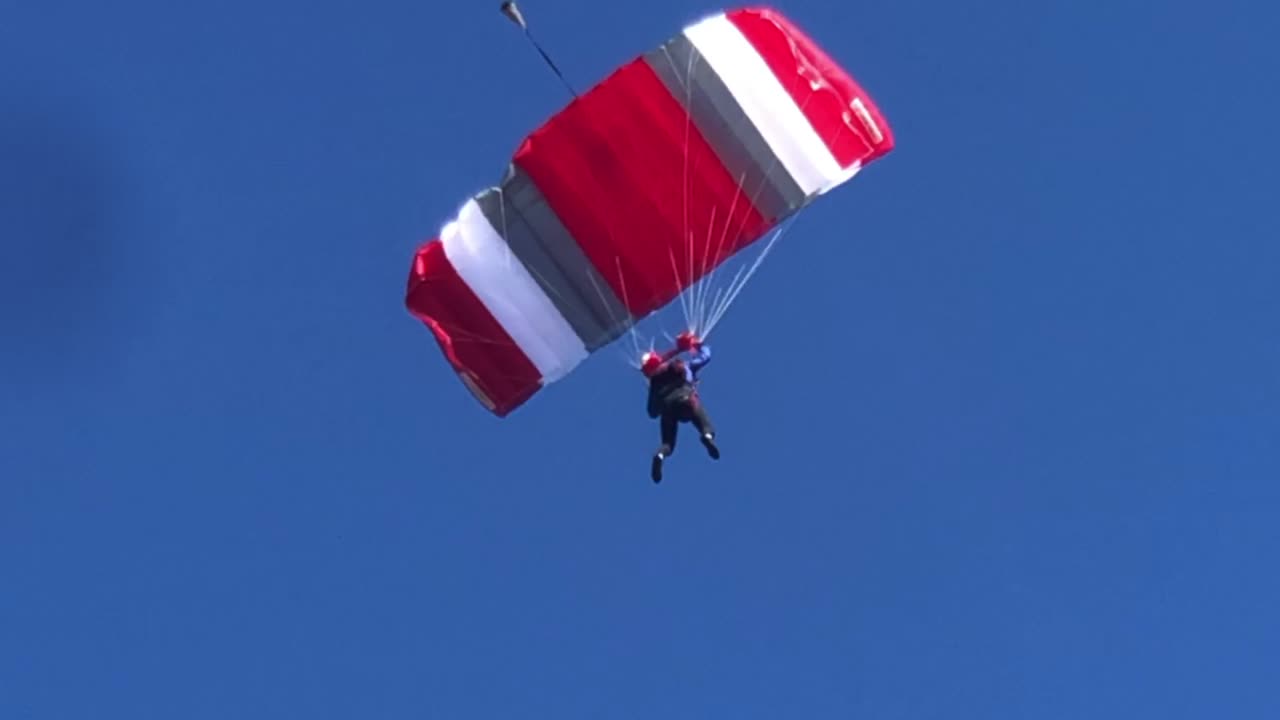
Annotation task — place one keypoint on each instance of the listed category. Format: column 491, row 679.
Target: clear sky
column 999, row 417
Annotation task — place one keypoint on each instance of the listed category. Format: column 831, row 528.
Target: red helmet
column 649, row 363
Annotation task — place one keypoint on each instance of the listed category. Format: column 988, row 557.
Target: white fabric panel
column 767, row 103
column 483, row 260
column 844, row 176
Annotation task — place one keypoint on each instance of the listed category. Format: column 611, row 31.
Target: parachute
column 694, row 149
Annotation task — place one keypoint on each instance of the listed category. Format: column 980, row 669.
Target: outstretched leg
column 668, row 430
column 706, row 431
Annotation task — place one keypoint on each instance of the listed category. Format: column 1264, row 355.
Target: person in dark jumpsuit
column 673, row 397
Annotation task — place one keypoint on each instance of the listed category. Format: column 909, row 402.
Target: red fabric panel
column 485, row 356
column 797, row 60
column 612, row 165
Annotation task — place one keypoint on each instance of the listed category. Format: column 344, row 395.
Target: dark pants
column 689, row 410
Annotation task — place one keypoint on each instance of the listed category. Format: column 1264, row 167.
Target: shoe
column 709, row 442
column 655, row 469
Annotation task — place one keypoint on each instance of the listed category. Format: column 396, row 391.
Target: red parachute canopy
column 696, row 148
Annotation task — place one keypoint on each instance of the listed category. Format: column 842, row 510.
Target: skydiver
column 673, row 396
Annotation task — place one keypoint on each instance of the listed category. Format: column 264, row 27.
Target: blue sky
column 999, row 418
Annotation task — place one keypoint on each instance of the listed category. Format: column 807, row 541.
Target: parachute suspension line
column 513, row 13
column 686, row 306
column 626, row 303
column 703, row 287
column 717, row 310
column 701, row 308
column 684, row 300
column 733, row 292
column 502, row 205
column 543, row 281
column 725, row 291
column 736, row 286
column 706, row 281
column 686, row 235
column 695, row 294
column 695, row 290
column 715, row 301
column 755, row 195
column 618, row 322
column 690, row 293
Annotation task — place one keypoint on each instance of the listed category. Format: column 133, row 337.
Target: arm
column 701, row 356
column 655, row 406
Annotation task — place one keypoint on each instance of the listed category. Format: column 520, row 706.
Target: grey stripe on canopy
column 540, row 241
column 722, row 121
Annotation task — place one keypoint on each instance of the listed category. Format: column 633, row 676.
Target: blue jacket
column 697, row 361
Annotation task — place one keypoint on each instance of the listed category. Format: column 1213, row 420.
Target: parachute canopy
column 709, row 140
